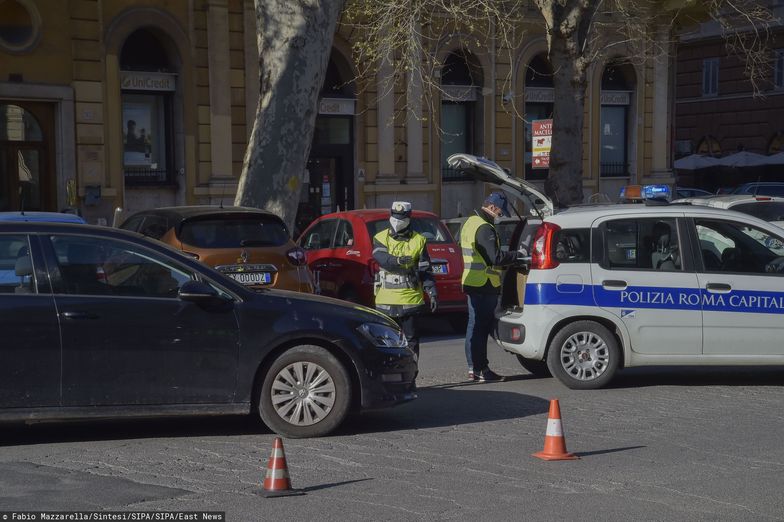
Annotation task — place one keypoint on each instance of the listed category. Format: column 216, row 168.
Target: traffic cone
column 554, row 441
column 277, row 483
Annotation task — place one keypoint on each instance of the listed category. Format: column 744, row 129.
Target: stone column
column 385, row 114
column 220, row 88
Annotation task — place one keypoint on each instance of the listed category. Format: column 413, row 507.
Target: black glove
column 405, row 261
column 433, row 302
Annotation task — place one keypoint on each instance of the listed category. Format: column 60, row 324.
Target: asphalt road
column 659, row 444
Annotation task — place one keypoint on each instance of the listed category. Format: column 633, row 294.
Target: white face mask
column 399, row 224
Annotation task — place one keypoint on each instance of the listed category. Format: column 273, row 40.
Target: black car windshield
column 234, row 232
column 767, row 210
column 430, row 228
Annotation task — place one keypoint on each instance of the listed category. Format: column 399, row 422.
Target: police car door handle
column 719, row 288
column 78, row 315
column 614, row 284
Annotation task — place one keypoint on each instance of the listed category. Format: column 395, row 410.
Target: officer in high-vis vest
column 405, row 272
column 483, row 260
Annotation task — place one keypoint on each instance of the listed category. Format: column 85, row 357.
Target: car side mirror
column 198, row 292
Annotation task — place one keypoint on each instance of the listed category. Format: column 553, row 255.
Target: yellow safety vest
column 476, row 273
column 399, row 289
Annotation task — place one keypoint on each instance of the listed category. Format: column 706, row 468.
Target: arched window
column 148, row 87
column 709, row 146
column 618, row 83
column 461, row 113
column 538, row 106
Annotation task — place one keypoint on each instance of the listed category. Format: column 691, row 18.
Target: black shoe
column 488, row 375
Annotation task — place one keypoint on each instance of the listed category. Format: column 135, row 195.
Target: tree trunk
column 295, row 40
column 565, row 181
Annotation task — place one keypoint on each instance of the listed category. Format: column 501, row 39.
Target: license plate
column 439, row 269
column 251, row 278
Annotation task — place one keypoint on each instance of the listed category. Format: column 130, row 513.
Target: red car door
column 317, row 243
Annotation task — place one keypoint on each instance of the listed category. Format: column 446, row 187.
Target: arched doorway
column 330, row 183
column 151, row 118
column 26, row 156
column 461, row 110
column 616, row 127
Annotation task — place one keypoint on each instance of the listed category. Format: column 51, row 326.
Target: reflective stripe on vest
column 476, row 273
column 400, row 289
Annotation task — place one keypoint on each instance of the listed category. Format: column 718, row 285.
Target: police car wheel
column 305, row 393
column 536, row 368
column 583, row 355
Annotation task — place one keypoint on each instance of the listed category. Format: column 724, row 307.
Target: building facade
column 718, row 112
column 146, row 103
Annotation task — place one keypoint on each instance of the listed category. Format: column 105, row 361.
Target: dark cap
column 498, row 199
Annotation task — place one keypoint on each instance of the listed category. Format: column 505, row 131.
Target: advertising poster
column 137, row 130
column 541, row 139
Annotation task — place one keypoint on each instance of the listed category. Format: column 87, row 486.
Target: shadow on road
column 699, row 376
column 443, row 406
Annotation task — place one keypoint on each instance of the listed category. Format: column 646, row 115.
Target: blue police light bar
column 657, row 192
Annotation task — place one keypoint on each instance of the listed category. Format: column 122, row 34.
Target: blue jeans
column 481, row 314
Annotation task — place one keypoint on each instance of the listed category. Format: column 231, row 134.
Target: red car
column 339, row 252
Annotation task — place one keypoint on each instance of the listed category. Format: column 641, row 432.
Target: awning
column 743, row 159
column 695, row 162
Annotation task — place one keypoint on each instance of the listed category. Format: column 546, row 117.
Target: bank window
column 738, row 248
column 778, row 70
column 145, row 132
column 645, row 244
column 710, row 77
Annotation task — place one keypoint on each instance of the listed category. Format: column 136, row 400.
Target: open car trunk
column 539, row 205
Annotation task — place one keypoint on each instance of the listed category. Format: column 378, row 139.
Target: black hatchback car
column 99, row 322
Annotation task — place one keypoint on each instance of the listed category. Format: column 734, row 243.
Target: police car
column 618, row 286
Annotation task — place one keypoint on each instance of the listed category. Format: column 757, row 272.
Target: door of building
column 27, row 180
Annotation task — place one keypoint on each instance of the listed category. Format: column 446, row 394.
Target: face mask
column 399, row 224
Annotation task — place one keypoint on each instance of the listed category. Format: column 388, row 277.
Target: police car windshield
column 767, row 210
column 432, row 229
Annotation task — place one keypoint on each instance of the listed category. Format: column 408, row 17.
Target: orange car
column 249, row 245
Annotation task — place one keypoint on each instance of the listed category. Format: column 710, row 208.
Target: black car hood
column 332, row 305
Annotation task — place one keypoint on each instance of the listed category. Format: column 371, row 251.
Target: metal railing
column 145, row 176
column 454, row 175
column 614, row 169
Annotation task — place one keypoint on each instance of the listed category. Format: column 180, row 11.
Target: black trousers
column 406, row 323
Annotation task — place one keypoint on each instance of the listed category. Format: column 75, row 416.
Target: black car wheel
column 536, row 368
column 583, row 355
column 305, row 393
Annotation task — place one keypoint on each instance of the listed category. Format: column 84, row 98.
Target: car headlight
column 383, row 335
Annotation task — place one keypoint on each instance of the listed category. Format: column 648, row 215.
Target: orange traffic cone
column 554, row 442
column 277, row 483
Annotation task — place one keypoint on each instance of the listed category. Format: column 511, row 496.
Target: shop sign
column 541, row 139
column 616, row 97
column 147, row 81
column 539, row 95
column 337, row 106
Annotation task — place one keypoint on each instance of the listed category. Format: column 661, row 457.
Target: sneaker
column 488, row 375
column 472, row 376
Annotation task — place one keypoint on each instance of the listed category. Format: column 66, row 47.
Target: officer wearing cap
column 482, row 262
column 405, row 272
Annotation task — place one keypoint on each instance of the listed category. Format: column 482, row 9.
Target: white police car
column 632, row 285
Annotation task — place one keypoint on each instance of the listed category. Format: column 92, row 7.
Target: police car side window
column 573, row 245
column 727, row 246
column 642, row 244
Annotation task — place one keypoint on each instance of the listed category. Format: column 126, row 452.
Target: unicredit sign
column 147, row 81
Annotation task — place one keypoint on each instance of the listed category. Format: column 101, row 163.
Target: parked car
column 761, row 188
column 767, row 208
column 339, row 250
column 689, row 192
column 631, row 285
column 48, row 217
column 103, row 323
column 249, row 245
